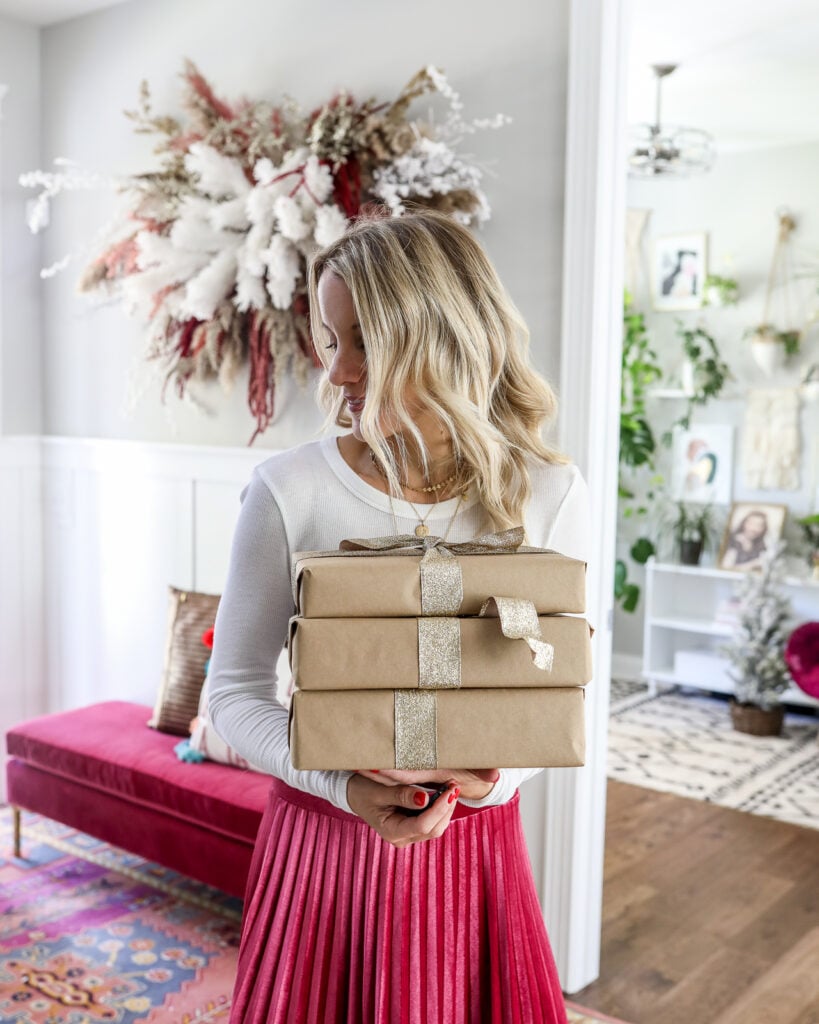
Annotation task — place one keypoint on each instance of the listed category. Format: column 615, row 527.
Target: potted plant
column 719, row 291
column 757, row 651
column 771, row 347
column 810, row 532
column 704, row 373
column 693, row 529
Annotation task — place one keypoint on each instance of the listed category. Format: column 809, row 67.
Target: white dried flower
column 291, row 223
column 428, row 169
column 211, row 286
column 318, row 178
column 331, row 224
column 219, row 175
column 282, row 259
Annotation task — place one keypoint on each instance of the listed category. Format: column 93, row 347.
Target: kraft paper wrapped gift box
column 488, row 728
column 371, row 654
column 361, row 583
column 394, row 668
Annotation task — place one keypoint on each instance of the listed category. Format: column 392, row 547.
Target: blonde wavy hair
column 434, row 315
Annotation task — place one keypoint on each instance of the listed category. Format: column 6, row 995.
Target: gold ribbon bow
column 441, row 579
column 504, row 540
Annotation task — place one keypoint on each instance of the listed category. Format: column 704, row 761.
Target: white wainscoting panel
column 22, row 639
column 122, row 522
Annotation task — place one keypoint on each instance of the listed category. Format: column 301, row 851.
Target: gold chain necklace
column 432, row 489
column 422, row 530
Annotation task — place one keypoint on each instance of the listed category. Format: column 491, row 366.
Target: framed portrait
column 751, row 533
column 702, row 467
column 679, row 267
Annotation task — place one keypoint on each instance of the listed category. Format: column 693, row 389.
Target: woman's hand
column 474, row 784
column 381, row 807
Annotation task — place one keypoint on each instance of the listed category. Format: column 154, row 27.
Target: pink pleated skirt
column 341, row 927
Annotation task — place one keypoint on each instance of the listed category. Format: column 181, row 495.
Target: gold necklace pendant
column 421, row 530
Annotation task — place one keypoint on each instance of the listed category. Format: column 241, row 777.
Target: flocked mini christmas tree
column 757, row 647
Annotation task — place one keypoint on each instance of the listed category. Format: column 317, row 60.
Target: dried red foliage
column 200, row 86
column 261, row 389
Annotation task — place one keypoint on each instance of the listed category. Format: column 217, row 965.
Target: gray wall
column 507, row 58
column 20, row 393
column 736, row 204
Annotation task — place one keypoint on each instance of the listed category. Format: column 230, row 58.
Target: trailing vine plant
column 638, row 444
column 710, row 372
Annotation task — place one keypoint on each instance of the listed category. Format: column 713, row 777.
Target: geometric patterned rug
column 90, row 934
column 682, row 741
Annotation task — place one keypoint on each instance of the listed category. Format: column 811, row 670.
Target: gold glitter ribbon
column 519, row 621
column 439, row 653
column 416, row 729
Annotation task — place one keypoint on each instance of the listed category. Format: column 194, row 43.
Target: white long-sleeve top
column 309, row 499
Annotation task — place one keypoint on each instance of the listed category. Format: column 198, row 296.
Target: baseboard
column 626, row 666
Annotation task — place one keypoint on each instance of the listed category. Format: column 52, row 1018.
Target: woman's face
column 755, row 525
column 348, row 367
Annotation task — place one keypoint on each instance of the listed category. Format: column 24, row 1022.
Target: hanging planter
column 771, row 347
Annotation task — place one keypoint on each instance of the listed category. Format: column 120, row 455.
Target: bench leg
column 16, row 819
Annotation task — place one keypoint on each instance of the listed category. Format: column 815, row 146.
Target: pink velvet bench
column 101, row 770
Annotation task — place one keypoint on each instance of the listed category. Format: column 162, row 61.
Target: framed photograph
column 679, row 267
column 752, row 531
column 702, row 467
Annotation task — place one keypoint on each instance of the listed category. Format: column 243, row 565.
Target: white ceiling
column 47, row 12
column 748, row 70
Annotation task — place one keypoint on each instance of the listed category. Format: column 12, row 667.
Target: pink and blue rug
column 93, row 934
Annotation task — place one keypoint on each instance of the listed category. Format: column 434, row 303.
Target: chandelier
column 672, row 151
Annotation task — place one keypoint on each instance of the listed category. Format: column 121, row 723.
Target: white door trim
column 594, row 228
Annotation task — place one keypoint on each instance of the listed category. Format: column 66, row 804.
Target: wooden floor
column 710, row 916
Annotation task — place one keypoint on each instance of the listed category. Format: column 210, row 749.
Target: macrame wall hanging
column 771, row 445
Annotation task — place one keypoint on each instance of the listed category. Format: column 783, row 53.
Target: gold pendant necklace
column 422, row 530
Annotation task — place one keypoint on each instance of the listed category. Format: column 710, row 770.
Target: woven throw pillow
column 189, row 615
column 209, row 743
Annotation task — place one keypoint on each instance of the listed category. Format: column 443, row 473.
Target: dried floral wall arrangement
column 212, row 248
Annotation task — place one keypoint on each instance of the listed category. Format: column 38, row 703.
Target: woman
column 357, row 911
column 747, row 544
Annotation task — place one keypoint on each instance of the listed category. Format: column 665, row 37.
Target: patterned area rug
column 682, row 742
column 90, row 933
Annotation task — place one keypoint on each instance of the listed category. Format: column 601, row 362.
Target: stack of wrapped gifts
column 412, row 654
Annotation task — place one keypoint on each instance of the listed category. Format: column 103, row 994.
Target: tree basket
column 756, row 721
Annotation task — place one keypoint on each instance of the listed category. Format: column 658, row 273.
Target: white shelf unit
column 680, row 615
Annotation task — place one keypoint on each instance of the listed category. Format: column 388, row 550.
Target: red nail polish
column 457, row 792
column 420, row 799
column 374, row 770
